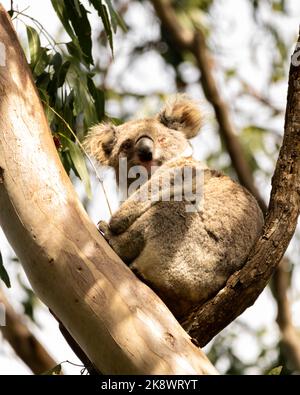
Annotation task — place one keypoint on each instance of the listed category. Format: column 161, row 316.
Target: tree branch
column 24, row 343
column 119, row 323
column 290, row 339
column 244, row 286
column 76, row 348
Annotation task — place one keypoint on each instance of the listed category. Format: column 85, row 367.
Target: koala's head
column 147, row 142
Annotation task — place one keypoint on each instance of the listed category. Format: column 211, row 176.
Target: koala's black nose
column 144, row 147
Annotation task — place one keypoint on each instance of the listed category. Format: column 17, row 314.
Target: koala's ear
column 183, row 114
column 100, row 141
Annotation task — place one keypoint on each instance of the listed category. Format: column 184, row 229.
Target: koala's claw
column 103, row 228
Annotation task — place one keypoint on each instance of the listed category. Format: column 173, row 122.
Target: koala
column 184, row 249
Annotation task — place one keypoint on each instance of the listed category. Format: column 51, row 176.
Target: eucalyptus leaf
column 76, row 52
column 98, row 96
column 42, row 61
column 103, row 13
column 116, row 19
column 79, row 165
column 3, row 273
column 60, row 9
column 275, row 371
column 79, row 20
column 56, row 370
column 34, row 45
column 63, row 73
column 56, row 61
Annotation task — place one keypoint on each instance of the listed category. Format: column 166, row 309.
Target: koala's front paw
column 119, row 224
column 113, row 240
column 103, row 228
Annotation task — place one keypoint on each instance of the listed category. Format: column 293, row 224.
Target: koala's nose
column 145, row 148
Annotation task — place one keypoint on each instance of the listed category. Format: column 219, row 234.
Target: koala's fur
column 186, row 257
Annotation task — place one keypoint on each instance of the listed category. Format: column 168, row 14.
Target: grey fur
column 185, row 257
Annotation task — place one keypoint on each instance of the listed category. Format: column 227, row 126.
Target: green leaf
column 66, row 160
column 102, row 12
column 75, row 51
column 77, row 6
column 79, row 165
column 43, row 80
column 56, row 61
column 116, row 19
column 42, row 61
column 83, row 101
column 275, row 371
column 81, row 26
column 110, row 18
column 63, row 73
column 3, row 273
column 60, row 9
column 230, row 73
column 34, row 45
column 28, row 306
column 52, row 87
column 53, row 372
column 98, row 96
column 279, row 6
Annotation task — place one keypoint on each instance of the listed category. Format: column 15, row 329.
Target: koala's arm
column 148, row 195
column 127, row 245
column 132, row 209
column 126, row 240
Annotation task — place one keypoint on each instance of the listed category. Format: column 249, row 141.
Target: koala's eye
column 142, row 137
column 126, row 145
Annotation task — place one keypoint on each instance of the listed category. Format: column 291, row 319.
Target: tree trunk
column 121, row 325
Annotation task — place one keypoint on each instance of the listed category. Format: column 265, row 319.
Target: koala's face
column 147, row 142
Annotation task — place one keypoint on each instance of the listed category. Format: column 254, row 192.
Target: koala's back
column 188, row 256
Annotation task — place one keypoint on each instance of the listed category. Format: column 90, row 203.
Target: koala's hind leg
column 127, row 245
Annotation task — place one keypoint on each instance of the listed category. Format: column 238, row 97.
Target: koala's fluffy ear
column 99, row 142
column 183, row 114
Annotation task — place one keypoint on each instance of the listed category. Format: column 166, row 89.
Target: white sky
column 148, row 74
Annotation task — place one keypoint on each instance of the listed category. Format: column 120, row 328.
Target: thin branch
column 87, row 364
column 23, row 342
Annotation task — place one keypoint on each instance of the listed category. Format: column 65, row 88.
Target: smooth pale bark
column 121, row 325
